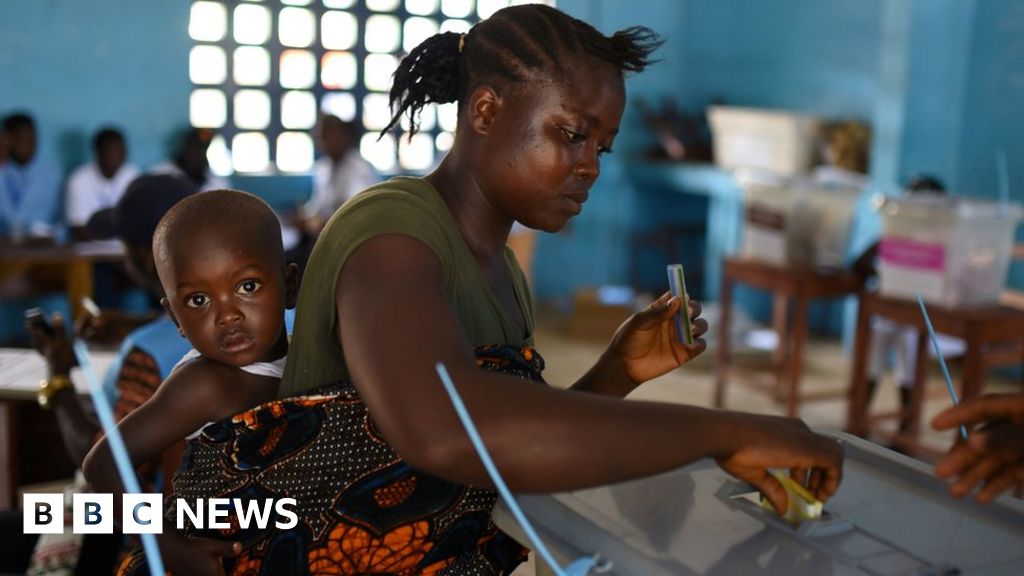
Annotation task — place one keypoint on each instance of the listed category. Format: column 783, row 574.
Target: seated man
column 30, row 203
column 100, row 183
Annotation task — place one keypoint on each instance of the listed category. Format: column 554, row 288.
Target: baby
column 221, row 263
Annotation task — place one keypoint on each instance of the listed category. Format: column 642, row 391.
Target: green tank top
column 409, row 206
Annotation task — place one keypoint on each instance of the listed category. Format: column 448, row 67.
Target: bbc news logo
column 143, row 513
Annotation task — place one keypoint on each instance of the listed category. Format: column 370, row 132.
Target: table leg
column 783, row 351
column 80, row 283
column 974, row 368
column 796, row 355
column 856, row 418
column 8, row 454
column 722, row 354
column 912, row 413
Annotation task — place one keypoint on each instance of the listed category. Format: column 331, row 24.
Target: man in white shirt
column 339, row 174
column 100, row 183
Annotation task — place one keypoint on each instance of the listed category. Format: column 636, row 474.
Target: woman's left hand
column 647, row 344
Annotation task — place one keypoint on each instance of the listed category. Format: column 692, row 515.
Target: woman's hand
column 199, row 556
column 647, row 345
column 993, row 455
column 765, row 442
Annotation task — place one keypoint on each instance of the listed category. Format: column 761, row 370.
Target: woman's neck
column 482, row 227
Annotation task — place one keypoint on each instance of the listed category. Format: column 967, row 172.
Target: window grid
column 212, row 25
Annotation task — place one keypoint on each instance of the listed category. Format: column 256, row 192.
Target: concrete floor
column 826, row 369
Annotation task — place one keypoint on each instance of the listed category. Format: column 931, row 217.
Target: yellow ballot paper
column 802, row 505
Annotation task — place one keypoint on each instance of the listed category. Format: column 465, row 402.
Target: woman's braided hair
column 516, row 44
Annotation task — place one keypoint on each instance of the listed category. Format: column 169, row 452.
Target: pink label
column 913, row 254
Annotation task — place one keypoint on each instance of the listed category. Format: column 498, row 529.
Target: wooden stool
column 988, row 332
column 786, row 283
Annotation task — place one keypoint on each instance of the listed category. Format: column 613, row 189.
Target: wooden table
column 985, row 331
column 789, row 285
column 31, row 449
column 75, row 260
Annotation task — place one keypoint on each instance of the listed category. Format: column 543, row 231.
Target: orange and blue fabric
column 361, row 509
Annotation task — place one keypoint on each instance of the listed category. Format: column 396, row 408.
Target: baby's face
column 228, row 296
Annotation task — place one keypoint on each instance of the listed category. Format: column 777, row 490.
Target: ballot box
column 891, row 516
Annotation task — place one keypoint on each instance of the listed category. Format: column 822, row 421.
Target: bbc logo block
column 44, row 514
column 93, row 514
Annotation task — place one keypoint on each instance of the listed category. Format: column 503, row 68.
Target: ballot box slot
column 836, row 536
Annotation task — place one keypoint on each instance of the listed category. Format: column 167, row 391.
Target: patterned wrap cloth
column 361, row 509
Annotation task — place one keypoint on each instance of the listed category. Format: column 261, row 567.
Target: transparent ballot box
column 891, row 516
column 796, row 222
column 951, row 251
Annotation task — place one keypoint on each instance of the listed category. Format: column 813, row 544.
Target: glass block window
column 262, row 70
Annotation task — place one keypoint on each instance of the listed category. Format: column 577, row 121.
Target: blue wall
column 78, row 65
column 939, row 79
column 993, row 116
column 811, row 55
column 808, row 55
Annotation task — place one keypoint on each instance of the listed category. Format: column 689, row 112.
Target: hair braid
column 430, row 73
column 515, row 45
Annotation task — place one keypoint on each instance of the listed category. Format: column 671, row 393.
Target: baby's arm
column 187, row 400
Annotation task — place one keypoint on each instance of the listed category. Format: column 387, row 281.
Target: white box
column 778, row 142
column 797, row 223
column 951, row 251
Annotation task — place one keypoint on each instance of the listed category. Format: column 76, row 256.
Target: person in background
column 30, row 203
column 100, row 183
column 339, row 174
column 190, row 162
column 891, row 339
column 992, row 457
column 146, row 357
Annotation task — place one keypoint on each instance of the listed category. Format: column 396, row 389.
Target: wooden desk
column 31, row 449
column 985, row 330
column 76, row 260
column 788, row 285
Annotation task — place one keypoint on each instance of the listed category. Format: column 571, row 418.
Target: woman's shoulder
column 403, row 205
column 401, row 190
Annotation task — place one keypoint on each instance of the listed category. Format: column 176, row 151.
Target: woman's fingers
column 694, row 308
column 772, row 490
column 700, row 327
column 978, row 472
column 1005, row 479
column 981, row 409
column 959, row 458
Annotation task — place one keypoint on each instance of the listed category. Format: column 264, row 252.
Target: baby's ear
column 291, row 285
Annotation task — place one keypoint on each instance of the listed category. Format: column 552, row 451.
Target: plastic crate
column 953, row 252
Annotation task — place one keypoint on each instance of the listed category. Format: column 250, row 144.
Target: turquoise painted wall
column 993, row 116
column 940, row 78
column 79, row 65
column 818, row 56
